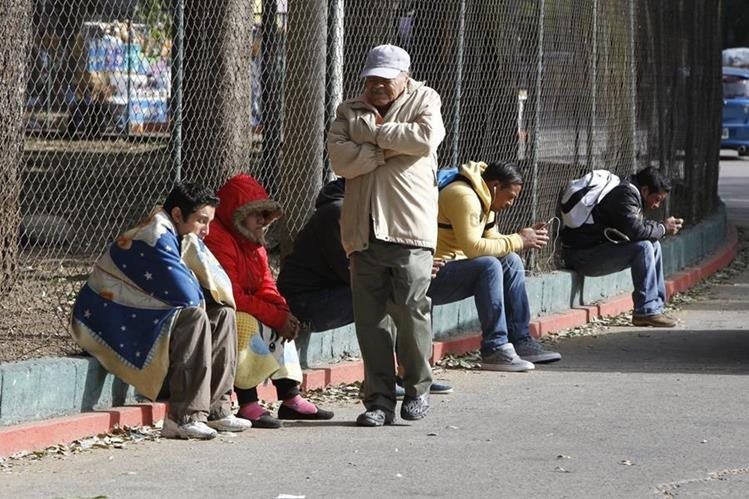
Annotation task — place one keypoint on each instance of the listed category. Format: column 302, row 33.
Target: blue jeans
column 644, row 259
column 498, row 289
column 323, row 309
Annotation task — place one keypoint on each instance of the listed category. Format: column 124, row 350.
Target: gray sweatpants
column 389, row 278
column 202, row 363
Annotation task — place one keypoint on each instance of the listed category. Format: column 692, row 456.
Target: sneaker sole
column 369, row 423
column 185, row 436
column 540, row 359
column 224, row 429
column 173, row 435
column 650, row 324
column 506, row 368
column 412, row 417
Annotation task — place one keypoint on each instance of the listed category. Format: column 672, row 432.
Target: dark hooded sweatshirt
column 318, row 260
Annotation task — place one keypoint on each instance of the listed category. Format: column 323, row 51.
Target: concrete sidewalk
column 629, row 413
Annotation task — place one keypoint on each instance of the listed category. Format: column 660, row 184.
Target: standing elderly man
column 384, row 142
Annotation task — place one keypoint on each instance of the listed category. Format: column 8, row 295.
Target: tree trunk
column 216, row 90
column 15, row 19
column 304, row 125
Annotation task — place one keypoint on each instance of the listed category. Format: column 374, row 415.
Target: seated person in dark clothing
column 315, row 278
column 619, row 238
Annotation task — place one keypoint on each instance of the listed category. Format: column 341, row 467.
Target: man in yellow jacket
column 482, row 263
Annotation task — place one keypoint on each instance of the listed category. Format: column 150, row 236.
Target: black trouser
column 285, row 389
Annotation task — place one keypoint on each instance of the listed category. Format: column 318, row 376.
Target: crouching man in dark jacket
column 620, row 237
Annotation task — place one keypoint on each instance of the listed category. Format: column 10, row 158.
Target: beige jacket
column 467, row 226
column 390, row 169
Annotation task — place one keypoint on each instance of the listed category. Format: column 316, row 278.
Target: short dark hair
column 188, row 197
column 654, row 180
column 505, row 172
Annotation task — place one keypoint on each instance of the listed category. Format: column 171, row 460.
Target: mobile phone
column 547, row 223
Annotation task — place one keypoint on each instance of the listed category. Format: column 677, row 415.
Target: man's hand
column 290, row 329
column 437, row 264
column 378, row 119
column 535, row 237
column 673, row 225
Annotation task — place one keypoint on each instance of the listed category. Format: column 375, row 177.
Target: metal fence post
column 176, row 100
column 633, row 83
column 537, row 111
column 334, row 77
column 593, row 85
column 536, row 124
column 458, row 83
column 128, row 83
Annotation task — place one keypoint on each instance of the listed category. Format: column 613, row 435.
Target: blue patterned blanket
column 125, row 313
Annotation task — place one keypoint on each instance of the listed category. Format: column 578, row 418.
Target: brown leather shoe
column 657, row 320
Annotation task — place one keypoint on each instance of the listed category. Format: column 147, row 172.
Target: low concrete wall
column 548, row 293
column 44, row 388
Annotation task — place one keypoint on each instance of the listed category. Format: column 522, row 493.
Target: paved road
column 734, row 186
column 631, row 413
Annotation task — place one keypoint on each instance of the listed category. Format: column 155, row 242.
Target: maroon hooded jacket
column 245, row 260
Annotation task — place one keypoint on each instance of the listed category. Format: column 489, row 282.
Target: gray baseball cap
column 386, row 61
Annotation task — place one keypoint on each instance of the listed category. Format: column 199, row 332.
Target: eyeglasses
column 265, row 214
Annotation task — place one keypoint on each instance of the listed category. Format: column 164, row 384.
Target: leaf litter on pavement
column 602, row 325
column 119, row 438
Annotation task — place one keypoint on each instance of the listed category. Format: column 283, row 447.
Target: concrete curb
column 42, row 434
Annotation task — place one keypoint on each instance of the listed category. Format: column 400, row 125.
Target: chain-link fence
column 123, row 97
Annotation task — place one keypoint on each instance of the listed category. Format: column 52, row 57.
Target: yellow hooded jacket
column 467, row 226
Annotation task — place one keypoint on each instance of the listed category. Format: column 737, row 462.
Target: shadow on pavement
column 685, row 351
column 333, row 422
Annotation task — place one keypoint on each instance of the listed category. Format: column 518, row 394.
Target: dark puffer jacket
column 318, row 260
column 620, row 209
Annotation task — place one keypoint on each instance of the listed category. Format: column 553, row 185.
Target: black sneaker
column 414, row 408
column 265, row 421
column 438, row 387
column 375, row 417
column 286, row 412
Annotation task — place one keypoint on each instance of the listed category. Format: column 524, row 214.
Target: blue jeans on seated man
column 497, row 286
column 323, row 309
column 644, row 258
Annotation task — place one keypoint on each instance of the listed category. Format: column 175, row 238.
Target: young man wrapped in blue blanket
column 158, row 306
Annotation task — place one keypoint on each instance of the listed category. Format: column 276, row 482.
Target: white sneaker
column 193, row 429
column 505, row 359
column 230, row 423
